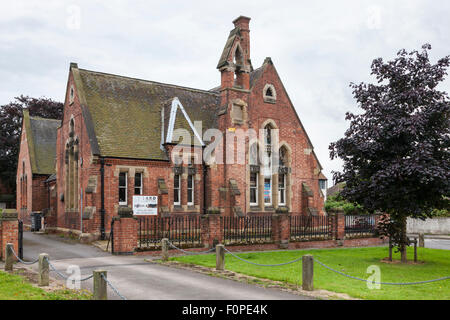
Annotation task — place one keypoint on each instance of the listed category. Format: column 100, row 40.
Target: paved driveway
column 137, row 279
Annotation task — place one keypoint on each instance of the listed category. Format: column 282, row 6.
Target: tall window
column 282, row 157
column 190, row 190
column 123, row 189
column 254, row 174
column 254, row 188
column 282, row 189
column 267, row 191
column 176, row 190
column 138, row 183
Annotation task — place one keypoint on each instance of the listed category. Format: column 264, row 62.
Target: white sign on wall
column 145, row 205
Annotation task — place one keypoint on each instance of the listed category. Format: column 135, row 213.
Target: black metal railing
column 182, row 231
column 247, row 230
column 358, row 226
column 306, row 228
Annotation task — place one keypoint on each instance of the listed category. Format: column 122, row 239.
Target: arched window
column 238, row 58
column 254, row 154
column 282, row 157
column 269, row 93
column 254, row 173
column 282, row 176
column 267, row 165
column 71, row 161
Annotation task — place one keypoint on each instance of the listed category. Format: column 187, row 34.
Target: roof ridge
column 151, row 81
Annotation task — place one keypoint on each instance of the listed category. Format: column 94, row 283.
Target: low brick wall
column 9, row 230
column 125, row 239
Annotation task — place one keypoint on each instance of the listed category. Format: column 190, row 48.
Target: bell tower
column 235, row 64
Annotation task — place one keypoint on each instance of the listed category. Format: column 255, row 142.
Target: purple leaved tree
column 396, row 152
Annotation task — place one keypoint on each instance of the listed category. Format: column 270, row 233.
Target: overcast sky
column 318, row 47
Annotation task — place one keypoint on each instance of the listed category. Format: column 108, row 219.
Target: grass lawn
column 352, row 261
column 16, row 287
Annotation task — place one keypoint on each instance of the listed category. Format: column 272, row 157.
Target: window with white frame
column 190, row 190
column 254, row 189
column 123, row 188
column 176, row 190
column 282, row 189
column 138, row 185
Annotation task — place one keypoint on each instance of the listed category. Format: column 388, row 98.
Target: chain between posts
column 189, row 252
column 22, row 261
column 113, row 288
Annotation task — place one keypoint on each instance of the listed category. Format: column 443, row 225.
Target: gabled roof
column 228, row 46
column 41, row 139
column 125, row 116
column 179, row 119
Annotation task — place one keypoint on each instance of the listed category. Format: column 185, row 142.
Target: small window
column 267, row 191
column 269, row 93
column 71, row 95
column 123, row 188
column 282, row 189
column 237, row 114
column 176, row 190
column 138, row 183
column 254, row 189
column 190, row 190
column 322, row 184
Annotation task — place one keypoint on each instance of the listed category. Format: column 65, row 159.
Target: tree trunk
column 404, row 240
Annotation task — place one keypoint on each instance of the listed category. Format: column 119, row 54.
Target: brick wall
column 9, row 231
column 126, row 235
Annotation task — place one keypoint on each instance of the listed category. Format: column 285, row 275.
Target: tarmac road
column 138, row 279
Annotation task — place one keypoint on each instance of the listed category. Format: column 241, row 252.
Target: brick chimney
column 235, row 59
column 243, row 23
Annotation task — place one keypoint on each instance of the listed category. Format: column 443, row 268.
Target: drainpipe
column 102, row 210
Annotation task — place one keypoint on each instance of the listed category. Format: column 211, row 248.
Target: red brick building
column 121, row 137
column 36, row 186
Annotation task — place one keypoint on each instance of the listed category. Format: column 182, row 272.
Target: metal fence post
column 9, row 257
column 43, row 278
column 307, row 272
column 220, row 257
column 165, row 249
column 100, row 292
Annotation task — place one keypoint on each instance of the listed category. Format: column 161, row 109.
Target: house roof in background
column 41, row 139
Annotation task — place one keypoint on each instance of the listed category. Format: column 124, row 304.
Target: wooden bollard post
column 9, row 257
column 43, row 277
column 421, row 240
column 308, row 272
column 220, row 257
column 165, row 249
column 100, row 291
